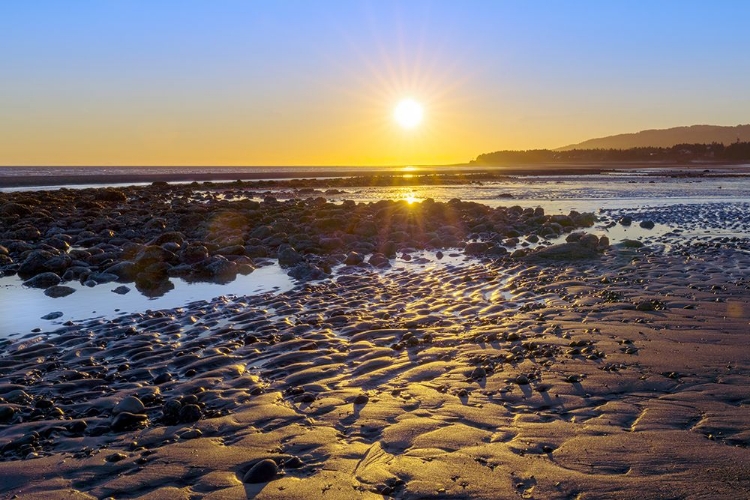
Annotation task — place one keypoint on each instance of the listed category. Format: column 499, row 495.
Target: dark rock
column 75, row 272
column 129, row 404
column 256, row 251
column 153, row 254
column 59, row 291
column 25, row 441
column 589, row 241
column 35, row 263
column 43, row 280
column 231, row 250
column 110, row 195
column 563, row 220
column 124, row 270
column 162, row 378
column 190, row 413
column 221, row 269
column 261, row 232
column 647, row 224
column 261, row 472
column 128, row 421
column 193, row 254
column 288, row 256
column 115, row 457
column 630, row 244
column 104, row 277
column 77, row 427
column 306, row 271
column 53, row 315
column 353, row 259
column 563, row 251
column 626, row 220
column 331, row 244
column 478, row 373
column 361, row 399
column 293, row 463
column 7, row 413
column 379, row 260
column 15, row 209
column 168, row 237
column 121, row 290
column 171, row 411
column 476, row 248
column 191, row 434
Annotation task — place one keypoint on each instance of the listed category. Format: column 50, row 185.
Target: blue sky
column 315, row 82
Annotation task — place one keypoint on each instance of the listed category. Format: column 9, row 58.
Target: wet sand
column 620, row 375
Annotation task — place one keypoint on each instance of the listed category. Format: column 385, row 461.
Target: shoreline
column 280, row 173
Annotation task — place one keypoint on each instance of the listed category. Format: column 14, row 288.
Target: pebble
column 361, row 399
column 115, row 457
column 191, row 434
column 127, row 421
column 129, row 404
column 478, row 373
column 262, row 472
column 7, row 413
column 190, row 413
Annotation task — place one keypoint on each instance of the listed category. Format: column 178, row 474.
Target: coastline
column 92, row 175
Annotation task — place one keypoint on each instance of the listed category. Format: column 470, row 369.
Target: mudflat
column 585, row 369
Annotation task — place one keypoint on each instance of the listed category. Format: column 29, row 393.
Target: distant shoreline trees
column 679, row 153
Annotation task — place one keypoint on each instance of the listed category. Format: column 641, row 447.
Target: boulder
column 353, row 259
column 476, row 248
column 43, row 280
column 59, row 291
column 563, row 251
column 288, row 256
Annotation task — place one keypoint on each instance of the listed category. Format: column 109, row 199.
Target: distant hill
column 665, row 138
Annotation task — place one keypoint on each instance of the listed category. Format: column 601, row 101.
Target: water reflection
column 22, row 308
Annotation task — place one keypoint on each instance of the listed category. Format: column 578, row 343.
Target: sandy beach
column 557, row 365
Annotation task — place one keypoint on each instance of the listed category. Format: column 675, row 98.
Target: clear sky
column 316, row 82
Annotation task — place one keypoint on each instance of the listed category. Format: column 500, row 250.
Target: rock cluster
column 145, row 235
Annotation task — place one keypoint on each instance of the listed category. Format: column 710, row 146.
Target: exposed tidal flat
column 423, row 347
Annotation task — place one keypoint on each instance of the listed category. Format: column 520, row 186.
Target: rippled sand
column 623, row 377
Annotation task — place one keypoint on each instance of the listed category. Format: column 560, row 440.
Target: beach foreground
column 619, row 373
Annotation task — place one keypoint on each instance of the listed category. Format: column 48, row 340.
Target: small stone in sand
column 478, row 373
column 6, row 413
column 191, row 434
column 126, row 421
column 190, row 413
column 262, row 472
column 130, row 404
column 115, row 457
column 361, row 399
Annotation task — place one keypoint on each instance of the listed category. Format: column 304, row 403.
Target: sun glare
column 408, row 113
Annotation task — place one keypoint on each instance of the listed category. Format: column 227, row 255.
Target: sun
column 408, row 113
